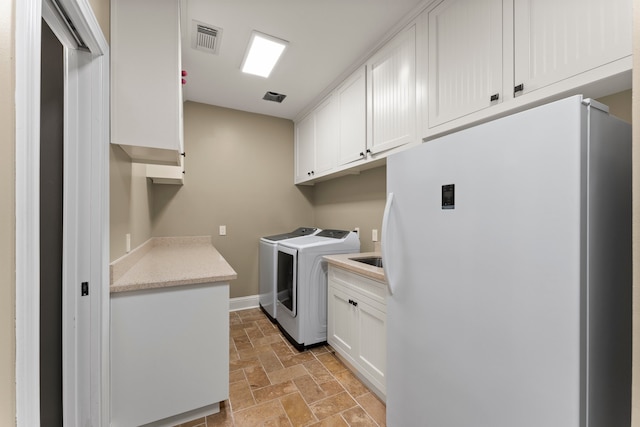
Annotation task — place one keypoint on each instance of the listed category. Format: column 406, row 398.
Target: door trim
column 28, row 15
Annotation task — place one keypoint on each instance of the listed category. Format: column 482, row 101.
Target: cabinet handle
column 362, row 154
column 312, row 173
column 368, row 151
column 183, row 154
column 495, row 97
column 355, row 303
column 518, row 88
column 309, row 173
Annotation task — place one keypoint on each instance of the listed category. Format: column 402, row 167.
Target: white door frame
column 86, row 122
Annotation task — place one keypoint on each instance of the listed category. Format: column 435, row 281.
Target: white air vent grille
column 205, row 37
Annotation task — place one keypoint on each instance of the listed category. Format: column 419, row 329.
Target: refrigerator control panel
column 448, row 196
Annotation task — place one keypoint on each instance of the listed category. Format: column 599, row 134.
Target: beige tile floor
column 272, row 384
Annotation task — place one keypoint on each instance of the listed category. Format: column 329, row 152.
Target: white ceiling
column 326, row 38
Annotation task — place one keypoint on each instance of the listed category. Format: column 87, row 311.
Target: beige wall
column 101, row 9
column 239, row 173
column 352, row 201
column 7, row 216
column 619, row 104
column 130, row 202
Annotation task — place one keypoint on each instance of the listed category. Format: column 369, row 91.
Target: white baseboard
column 243, row 303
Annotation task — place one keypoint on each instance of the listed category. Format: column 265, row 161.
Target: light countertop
column 170, row 261
column 343, row 261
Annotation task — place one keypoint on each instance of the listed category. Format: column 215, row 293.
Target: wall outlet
column 127, row 238
column 374, row 235
column 223, row 230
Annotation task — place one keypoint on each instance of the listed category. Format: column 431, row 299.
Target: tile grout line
column 256, row 324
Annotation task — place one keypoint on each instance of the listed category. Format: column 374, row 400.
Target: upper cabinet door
column 326, row 136
column 305, row 142
column 146, row 89
column 352, row 111
column 391, row 93
column 465, row 58
column 555, row 39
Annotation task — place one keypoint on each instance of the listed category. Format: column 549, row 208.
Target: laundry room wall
column 7, row 216
column 239, row 173
column 353, row 201
column 102, row 11
column 619, row 104
column 130, row 202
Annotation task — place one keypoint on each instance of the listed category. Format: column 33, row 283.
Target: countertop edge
column 156, row 264
column 343, row 261
column 115, row 289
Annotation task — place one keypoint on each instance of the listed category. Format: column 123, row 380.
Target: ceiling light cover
column 262, row 54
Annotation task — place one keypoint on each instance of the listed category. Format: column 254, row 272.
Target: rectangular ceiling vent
column 274, row 96
column 205, row 37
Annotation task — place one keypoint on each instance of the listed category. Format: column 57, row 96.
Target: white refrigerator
column 507, row 248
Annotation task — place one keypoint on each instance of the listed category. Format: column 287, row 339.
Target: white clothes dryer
column 302, row 284
column 268, row 259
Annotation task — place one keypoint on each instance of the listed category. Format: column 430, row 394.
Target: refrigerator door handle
column 385, row 239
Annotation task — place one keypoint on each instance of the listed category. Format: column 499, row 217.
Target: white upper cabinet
column 352, row 116
column 462, row 62
column 305, row 141
column 391, row 93
column 465, row 58
column 326, row 131
column 146, row 88
column 315, row 142
column 555, row 40
column 489, row 57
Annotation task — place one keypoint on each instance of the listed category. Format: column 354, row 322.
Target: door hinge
column 84, row 289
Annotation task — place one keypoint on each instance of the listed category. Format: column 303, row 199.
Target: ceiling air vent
column 273, row 96
column 205, row 37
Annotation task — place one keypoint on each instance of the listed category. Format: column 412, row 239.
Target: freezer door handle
column 385, row 240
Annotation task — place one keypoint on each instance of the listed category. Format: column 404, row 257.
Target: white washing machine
column 301, row 298
column 268, row 260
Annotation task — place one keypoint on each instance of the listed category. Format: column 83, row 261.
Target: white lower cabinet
column 356, row 325
column 169, row 354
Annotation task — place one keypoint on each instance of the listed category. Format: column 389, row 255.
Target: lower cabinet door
column 341, row 322
column 372, row 344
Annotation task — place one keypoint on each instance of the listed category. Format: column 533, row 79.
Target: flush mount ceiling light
column 262, row 54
